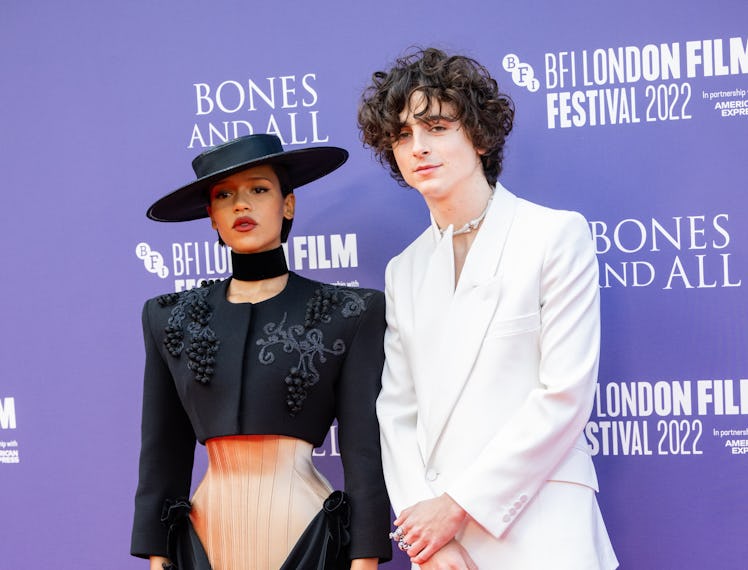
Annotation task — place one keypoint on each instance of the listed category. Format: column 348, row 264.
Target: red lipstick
column 244, row 224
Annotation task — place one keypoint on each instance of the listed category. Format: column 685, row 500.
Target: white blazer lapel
column 463, row 321
column 432, row 296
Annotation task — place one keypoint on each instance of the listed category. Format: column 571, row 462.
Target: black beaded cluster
column 201, row 354
column 167, row 299
column 320, row 306
column 191, row 306
column 200, row 312
column 297, row 382
column 173, row 340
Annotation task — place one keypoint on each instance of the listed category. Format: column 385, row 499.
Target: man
column 492, row 339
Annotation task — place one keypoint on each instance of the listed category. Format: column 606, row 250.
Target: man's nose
column 420, row 144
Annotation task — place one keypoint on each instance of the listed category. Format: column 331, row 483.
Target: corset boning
column 257, row 497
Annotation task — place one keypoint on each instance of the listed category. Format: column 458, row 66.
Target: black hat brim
column 301, row 166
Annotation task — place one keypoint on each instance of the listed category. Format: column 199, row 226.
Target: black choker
column 259, row 266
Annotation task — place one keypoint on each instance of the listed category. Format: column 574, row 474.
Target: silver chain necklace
column 472, row 224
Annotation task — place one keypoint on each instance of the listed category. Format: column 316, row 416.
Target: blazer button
column 506, row 518
column 431, row 475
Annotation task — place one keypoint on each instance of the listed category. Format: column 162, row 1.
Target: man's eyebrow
column 435, row 117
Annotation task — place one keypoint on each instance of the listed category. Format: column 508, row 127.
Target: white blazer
column 487, row 385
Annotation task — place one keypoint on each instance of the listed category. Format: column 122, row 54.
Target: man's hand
column 429, row 525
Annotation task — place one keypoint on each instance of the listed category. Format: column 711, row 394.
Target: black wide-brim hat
column 301, row 166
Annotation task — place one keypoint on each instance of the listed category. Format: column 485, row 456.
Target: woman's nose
column 242, row 200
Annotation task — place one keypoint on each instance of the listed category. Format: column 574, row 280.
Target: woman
column 492, row 339
column 256, row 368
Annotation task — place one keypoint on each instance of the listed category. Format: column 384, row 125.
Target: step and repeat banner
column 633, row 113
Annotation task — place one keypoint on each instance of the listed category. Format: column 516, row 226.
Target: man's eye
column 260, row 189
column 221, row 194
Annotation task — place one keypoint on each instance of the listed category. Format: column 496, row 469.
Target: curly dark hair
column 485, row 113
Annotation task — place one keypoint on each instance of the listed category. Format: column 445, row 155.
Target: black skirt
column 322, row 546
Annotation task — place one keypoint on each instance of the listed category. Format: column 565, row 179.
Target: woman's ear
column 289, row 206
column 210, row 215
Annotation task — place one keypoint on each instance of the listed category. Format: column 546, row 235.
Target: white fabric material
column 488, row 385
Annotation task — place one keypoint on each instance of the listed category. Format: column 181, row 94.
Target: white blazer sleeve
column 519, row 459
column 397, row 411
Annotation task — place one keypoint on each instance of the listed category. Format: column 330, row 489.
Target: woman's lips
column 244, row 224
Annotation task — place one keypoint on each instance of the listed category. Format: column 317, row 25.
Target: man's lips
column 425, row 168
column 244, row 224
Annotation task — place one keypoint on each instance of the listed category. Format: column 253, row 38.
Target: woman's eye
column 437, row 128
column 260, row 189
column 221, row 194
column 402, row 135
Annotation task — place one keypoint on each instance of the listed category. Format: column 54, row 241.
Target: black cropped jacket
column 288, row 366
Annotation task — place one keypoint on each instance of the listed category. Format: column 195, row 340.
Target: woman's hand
column 364, row 564
column 429, row 525
column 452, row 556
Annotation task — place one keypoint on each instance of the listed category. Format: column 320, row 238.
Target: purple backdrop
column 633, row 113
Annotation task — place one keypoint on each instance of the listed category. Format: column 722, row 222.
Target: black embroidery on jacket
column 191, row 313
column 308, row 341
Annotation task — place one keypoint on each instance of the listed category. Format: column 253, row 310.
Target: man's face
column 433, row 152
